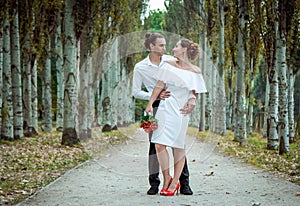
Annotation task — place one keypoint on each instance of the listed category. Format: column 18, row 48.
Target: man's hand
column 164, row 94
column 189, row 106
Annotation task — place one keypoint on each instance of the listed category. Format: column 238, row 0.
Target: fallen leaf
column 210, row 174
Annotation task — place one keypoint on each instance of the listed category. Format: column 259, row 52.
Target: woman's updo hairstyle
column 150, row 38
column 193, row 49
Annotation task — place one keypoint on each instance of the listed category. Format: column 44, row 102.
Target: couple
column 173, row 85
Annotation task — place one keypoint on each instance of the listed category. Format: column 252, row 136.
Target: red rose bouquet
column 148, row 123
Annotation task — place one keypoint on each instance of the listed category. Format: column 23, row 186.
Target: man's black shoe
column 186, row 190
column 153, row 190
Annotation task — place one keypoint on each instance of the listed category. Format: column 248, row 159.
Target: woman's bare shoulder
column 172, row 62
column 196, row 69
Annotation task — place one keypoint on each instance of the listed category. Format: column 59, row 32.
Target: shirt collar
column 163, row 59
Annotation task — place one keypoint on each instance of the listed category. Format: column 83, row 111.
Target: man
column 142, row 75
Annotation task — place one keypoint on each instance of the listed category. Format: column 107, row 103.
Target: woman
column 184, row 81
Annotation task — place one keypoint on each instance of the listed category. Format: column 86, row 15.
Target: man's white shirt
column 143, row 76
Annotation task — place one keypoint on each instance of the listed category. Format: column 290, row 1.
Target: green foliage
column 140, row 106
column 184, row 18
column 155, row 21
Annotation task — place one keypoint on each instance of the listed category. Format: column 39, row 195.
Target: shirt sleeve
column 137, row 83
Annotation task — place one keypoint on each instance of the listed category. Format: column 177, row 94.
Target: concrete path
column 120, row 178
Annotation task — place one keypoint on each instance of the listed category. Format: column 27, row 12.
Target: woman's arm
column 155, row 93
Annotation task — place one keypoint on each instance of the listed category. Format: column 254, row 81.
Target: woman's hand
column 189, row 106
column 149, row 109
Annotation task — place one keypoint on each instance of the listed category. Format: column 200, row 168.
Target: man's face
column 159, row 47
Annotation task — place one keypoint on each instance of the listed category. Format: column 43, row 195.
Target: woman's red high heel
column 172, row 193
column 162, row 192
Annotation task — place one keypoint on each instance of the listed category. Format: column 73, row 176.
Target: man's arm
column 137, row 83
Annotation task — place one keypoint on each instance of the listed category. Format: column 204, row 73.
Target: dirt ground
column 120, row 178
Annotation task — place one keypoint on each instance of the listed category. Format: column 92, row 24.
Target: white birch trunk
column 83, row 101
column 291, row 106
column 283, row 86
column 250, row 100
column 202, row 96
column 16, row 75
column 7, row 130
column 91, row 97
column 70, row 135
column 221, row 99
column 106, row 93
column 213, row 99
column 115, row 71
column 273, row 104
column 241, row 129
column 34, row 97
column 27, row 88
column 98, row 103
column 266, row 107
column 234, row 108
column 208, row 73
column 59, row 75
column 46, row 89
column 229, row 99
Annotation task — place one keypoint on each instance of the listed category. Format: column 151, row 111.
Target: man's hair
column 150, row 38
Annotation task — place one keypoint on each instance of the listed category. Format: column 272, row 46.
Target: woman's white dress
column 172, row 125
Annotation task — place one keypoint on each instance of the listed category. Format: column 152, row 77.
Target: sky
column 157, row 4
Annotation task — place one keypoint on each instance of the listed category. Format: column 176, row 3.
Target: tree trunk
column 34, row 97
column 70, row 135
column 291, row 105
column 46, row 89
column 59, row 75
column 1, row 70
column 115, row 69
column 229, row 99
column 27, row 88
column 221, row 99
column 282, row 77
column 202, row 96
column 16, row 74
column 212, row 125
column 83, row 100
column 240, row 128
column 7, row 130
column 250, row 100
column 209, row 85
column 106, row 109
column 273, row 104
column 273, row 110
column 266, row 107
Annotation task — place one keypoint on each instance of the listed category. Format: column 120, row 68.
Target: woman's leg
column 179, row 160
column 163, row 159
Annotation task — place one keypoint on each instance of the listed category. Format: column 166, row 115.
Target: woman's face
column 178, row 50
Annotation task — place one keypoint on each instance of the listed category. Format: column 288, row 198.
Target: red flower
column 148, row 123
